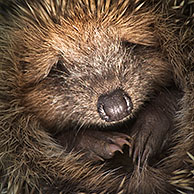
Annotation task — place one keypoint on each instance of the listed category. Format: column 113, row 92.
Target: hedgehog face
column 88, row 77
column 82, row 67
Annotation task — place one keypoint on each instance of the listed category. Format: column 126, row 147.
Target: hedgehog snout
column 114, row 106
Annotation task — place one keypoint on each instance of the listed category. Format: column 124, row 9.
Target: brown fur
column 57, row 58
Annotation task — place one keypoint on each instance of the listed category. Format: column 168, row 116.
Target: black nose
column 114, row 106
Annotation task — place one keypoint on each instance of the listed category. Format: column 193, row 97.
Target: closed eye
column 59, row 68
column 128, row 45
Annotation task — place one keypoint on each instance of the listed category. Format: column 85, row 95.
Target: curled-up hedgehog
column 96, row 97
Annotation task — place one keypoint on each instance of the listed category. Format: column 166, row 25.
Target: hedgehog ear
column 137, row 40
column 145, row 38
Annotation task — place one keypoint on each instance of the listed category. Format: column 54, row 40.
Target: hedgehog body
column 82, row 81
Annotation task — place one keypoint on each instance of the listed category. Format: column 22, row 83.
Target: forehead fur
column 130, row 19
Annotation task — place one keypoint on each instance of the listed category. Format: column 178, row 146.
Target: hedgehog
column 96, row 96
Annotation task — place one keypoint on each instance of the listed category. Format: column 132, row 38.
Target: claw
column 120, row 142
column 97, row 158
column 125, row 136
column 112, row 148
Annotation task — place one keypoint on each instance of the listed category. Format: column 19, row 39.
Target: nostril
column 114, row 106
